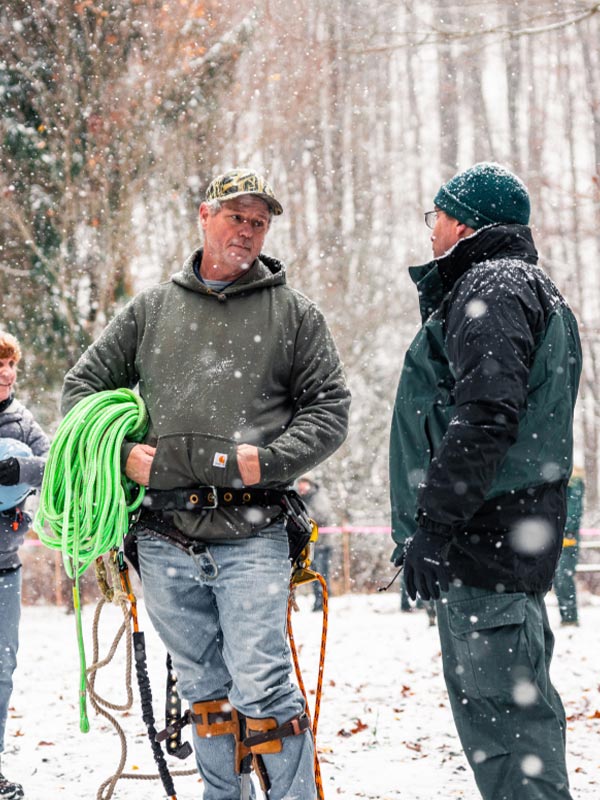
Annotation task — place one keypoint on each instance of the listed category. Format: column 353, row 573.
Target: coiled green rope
column 85, row 500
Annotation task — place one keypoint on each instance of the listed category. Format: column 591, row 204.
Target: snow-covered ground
column 385, row 732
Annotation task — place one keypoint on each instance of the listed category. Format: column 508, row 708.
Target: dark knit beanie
column 485, row 194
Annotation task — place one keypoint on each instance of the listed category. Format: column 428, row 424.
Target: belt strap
column 200, row 498
column 272, row 732
column 211, row 719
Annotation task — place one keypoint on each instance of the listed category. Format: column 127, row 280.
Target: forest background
column 115, row 115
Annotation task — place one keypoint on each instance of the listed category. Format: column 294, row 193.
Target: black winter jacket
column 481, row 444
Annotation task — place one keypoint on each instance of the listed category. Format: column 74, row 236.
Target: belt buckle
column 212, row 490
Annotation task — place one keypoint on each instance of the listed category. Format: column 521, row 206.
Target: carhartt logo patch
column 220, row 460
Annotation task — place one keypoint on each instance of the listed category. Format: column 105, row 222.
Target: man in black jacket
column 480, row 456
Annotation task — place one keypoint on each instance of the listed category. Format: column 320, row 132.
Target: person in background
column 564, row 579
column 319, row 509
column 481, row 451
column 23, row 450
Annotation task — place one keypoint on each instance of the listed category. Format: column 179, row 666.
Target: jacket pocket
column 492, row 657
column 194, row 459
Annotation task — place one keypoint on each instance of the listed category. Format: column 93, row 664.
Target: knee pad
column 215, row 718
column 219, row 718
column 264, row 736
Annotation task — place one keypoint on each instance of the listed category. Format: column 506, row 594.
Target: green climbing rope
column 85, row 500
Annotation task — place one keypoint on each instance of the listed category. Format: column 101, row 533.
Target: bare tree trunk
column 577, row 232
column 448, row 101
column 513, row 78
column 483, row 144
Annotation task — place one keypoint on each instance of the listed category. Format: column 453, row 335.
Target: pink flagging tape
column 387, row 529
column 347, row 529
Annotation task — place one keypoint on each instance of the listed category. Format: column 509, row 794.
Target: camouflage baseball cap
column 237, row 182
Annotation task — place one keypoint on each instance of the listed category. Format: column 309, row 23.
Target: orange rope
column 319, row 689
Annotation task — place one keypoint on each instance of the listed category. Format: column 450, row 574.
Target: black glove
column 9, row 472
column 425, row 569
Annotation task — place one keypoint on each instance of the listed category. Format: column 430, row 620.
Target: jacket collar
column 6, row 404
column 436, row 278
column 266, row 271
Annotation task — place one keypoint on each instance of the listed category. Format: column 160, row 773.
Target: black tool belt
column 202, row 498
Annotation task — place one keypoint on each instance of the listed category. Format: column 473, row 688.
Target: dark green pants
column 496, row 652
column 564, row 583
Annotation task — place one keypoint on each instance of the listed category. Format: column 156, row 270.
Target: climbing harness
column 88, row 505
column 196, row 549
column 201, row 498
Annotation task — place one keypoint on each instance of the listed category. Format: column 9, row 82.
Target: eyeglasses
column 431, row 218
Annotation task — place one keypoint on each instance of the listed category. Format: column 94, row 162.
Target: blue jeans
column 227, row 638
column 10, row 614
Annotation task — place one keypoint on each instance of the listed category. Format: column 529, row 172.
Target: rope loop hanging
column 85, row 501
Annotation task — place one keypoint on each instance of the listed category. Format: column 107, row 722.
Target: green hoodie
column 252, row 364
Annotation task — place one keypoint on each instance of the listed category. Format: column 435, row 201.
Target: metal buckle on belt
column 210, row 495
column 213, row 491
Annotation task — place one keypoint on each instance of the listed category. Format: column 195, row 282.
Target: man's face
column 8, row 376
column 446, row 233
column 303, row 487
column 234, row 236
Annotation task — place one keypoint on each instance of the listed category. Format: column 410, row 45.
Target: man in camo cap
column 241, row 182
column 245, row 393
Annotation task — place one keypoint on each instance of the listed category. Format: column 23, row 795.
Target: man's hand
column 139, row 463
column 10, row 472
column 425, row 569
column 248, row 464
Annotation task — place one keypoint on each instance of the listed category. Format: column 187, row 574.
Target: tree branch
column 436, row 35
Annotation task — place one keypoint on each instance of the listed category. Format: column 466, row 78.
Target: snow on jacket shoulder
column 485, row 402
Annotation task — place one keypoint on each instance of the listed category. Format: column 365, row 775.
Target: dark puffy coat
column 481, row 443
column 17, row 422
